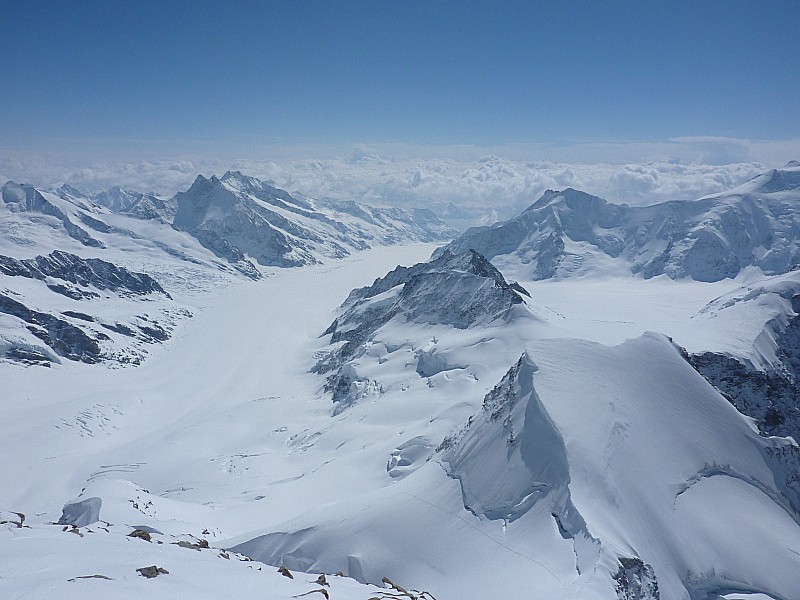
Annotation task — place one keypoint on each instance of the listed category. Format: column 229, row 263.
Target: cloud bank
column 492, row 185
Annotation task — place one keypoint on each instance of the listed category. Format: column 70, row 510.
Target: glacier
column 588, row 401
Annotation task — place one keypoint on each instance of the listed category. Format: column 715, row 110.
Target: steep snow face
column 570, row 232
column 624, row 463
column 241, row 214
column 513, row 429
column 458, row 290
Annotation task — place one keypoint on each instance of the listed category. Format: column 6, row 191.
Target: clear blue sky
column 429, row 72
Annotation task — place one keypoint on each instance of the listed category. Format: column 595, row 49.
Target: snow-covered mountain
column 66, row 302
column 601, row 461
column 570, row 233
column 137, row 204
column 239, row 214
column 461, row 291
column 607, row 437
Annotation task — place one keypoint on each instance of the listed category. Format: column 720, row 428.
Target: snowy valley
column 587, row 401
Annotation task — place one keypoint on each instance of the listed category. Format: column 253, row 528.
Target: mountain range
column 229, row 224
column 571, row 232
column 589, row 400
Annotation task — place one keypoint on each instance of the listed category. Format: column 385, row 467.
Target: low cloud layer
column 491, row 185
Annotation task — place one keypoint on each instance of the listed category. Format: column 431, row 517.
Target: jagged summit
column 451, row 289
column 457, row 290
column 570, row 232
column 238, row 215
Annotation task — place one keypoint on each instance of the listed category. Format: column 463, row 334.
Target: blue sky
column 427, row 73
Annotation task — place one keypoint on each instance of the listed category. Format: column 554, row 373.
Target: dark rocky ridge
column 84, row 272
column 64, row 338
column 237, row 215
column 771, row 398
column 635, row 580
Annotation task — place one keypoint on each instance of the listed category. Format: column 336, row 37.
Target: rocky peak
column 457, row 290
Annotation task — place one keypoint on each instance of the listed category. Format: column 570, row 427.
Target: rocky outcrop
column 635, row 580
column 771, row 396
column 65, row 339
column 84, row 272
column 137, row 204
column 76, row 335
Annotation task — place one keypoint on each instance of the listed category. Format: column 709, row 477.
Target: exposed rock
column 18, row 519
column 65, row 339
column 141, row 534
column 137, row 204
column 285, row 572
column 26, row 198
column 199, row 545
column 152, row 571
column 459, row 290
column 635, row 580
column 28, row 356
column 91, row 577
column 236, row 215
column 771, row 397
column 453, row 289
column 95, row 272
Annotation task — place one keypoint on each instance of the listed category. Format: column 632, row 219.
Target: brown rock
column 152, row 571
column 285, row 572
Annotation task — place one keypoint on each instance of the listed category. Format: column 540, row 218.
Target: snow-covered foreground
column 590, row 453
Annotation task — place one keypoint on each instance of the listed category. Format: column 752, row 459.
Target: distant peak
column 792, row 164
column 242, row 182
column 238, row 176
column 568, row 194
column 201, row 182
column 68, row 189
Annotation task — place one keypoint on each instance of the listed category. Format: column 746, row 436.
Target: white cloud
column 504, row 179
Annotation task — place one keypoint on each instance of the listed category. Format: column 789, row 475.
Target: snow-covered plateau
column 239, row 392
